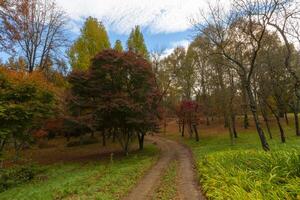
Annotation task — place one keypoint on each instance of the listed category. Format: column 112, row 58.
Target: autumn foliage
column 26, row 101
column 119, row 95
column 188, row 116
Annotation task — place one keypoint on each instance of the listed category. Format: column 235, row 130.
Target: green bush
column 14, row 176
column 251, row 174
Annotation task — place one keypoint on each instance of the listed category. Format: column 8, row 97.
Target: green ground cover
column 244, row 171
column 103, row 180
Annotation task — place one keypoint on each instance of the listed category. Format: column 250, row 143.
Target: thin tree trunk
column 179, row 126
column 245, row 109
column 266, row 120
column 196, row 132
column 234, row 126
column 126, row 149
column 165, row 126
column 92, row 134
column 226, row 123
column 253, row 109
column 207, row 121
column 182, row 130
column 114, row 136
column 277, row 117
column 282, row 135
column 230, row 133
column 296, row 123
column 141, row 140
column 246, row 121
column 3, row 142
column 190, row 129
column 103, row 138
column 286, row 118
column 81, row 139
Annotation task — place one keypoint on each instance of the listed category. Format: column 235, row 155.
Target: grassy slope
column 98, row 180
column 244, row 171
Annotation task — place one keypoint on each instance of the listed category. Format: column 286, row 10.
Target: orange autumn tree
column 26, row 100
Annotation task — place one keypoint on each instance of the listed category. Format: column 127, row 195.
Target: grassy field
column 106, row 179
column 243, row 170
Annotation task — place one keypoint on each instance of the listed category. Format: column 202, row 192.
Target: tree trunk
column 182, row 130
column 266, row 120
column 81, row 139
column 103, row 138
column 126, row 147
column 114, row 136
column 286, row 118
column 246, row 121
column 92, row 134
column 296, row 123
column 196, row 133
column 245, row 109
column 282, row 135
column 230, row 133
column 68, row 135
column 207, row 121
column 226, row 123
column 190, row 129
column 277, row 117
column 141, row 137
column 234, row 126
column 17, row 150
column 3, row 142
column 253, row 109
column 165, row 126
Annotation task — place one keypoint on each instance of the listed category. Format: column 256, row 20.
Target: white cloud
column 121, row 15
column 182, row 43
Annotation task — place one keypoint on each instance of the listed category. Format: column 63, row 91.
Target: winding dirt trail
column 188, row 188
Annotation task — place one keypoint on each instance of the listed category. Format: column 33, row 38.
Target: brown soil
column 59, row 153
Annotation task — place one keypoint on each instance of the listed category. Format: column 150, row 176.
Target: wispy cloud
column 121, row 15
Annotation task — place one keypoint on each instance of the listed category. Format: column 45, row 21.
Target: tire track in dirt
column 188, row 188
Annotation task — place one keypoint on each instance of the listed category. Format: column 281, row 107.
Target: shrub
column 15, row 176
column 26, row 101
column 85, row 141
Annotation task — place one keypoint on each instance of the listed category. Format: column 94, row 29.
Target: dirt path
column 187, row 184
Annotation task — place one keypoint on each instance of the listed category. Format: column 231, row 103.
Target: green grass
column 167, row 189
column 244, row 170
column 97, row 180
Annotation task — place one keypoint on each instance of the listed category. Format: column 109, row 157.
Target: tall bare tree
column 33, row 29
column 238, row 35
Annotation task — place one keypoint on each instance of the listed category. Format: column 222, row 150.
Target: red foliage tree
column 188, row 114
column 120, row 94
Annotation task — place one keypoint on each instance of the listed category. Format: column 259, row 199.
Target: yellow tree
column 93, row 39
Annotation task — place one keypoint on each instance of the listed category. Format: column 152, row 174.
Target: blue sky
column 165, row 23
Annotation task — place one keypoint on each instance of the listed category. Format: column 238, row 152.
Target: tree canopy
column 136, row 43
column 118, row 45
column 119, row 94
column 92, row 40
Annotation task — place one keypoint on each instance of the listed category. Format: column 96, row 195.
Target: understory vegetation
column 106, row 180
column 244, row 171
